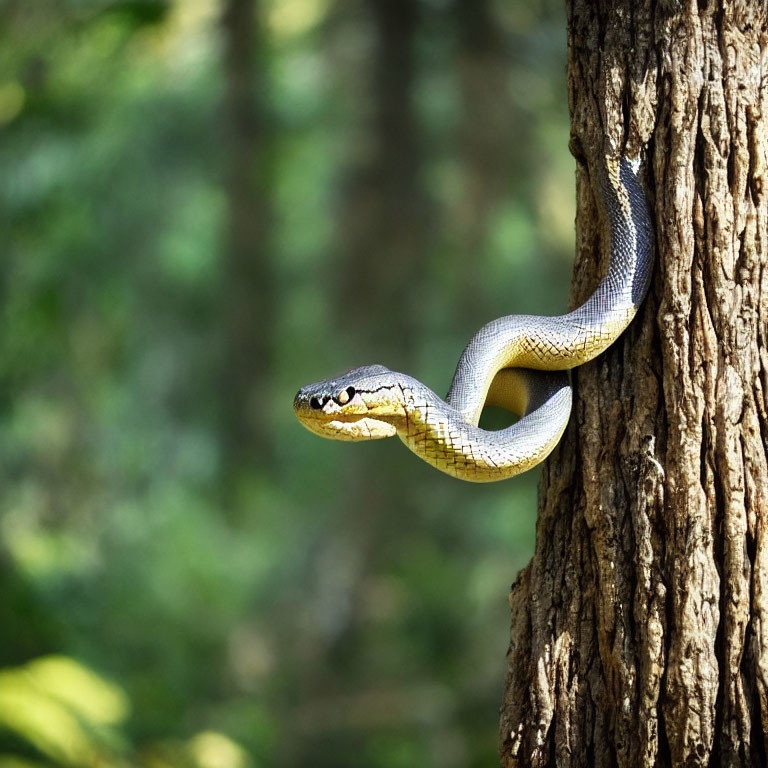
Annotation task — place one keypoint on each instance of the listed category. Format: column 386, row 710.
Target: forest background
column 205, row 206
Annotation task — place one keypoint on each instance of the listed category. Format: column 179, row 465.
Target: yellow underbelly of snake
column 518, row 362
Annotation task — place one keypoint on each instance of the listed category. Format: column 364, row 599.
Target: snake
column 517, row 362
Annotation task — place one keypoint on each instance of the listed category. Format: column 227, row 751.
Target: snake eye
column 345, row 396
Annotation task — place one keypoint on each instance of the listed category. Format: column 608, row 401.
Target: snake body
column 517, row 362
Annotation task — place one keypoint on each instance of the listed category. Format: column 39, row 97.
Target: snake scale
column 518, row 362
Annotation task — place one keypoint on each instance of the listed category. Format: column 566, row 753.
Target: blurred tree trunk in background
column 248, row 305
column 381, row 236
column 383, row 220
column 485, row 135
column 382, row 244
column 637, row 629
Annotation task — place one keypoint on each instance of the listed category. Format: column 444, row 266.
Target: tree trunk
column 383, row 226
column 381, row 238
column 486, row 135
column 638, row 632
column 248, row 282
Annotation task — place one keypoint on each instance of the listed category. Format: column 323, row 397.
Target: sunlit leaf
column 210, row 749
column 55, row 704
column 86, row 693
column 44, row 722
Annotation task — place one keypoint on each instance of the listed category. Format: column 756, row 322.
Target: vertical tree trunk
column 486, row 135
column 382, row 233
column 382, row 239
column 638, row 634
column 248, row 285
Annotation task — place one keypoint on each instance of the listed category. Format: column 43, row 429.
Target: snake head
column 362, row 404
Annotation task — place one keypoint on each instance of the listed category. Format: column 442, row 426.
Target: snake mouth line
column 349, row 429
column 342, row 418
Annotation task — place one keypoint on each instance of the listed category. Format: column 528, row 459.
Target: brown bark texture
column 639, row 634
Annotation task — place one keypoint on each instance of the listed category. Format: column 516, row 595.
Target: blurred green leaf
column 58, row 705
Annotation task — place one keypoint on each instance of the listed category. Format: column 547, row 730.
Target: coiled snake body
column 517, row 362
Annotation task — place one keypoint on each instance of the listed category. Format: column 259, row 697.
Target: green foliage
column 61, row 709
column 63, row 714
column 347, row 605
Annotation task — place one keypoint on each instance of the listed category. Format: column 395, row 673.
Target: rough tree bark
column 639, row 632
